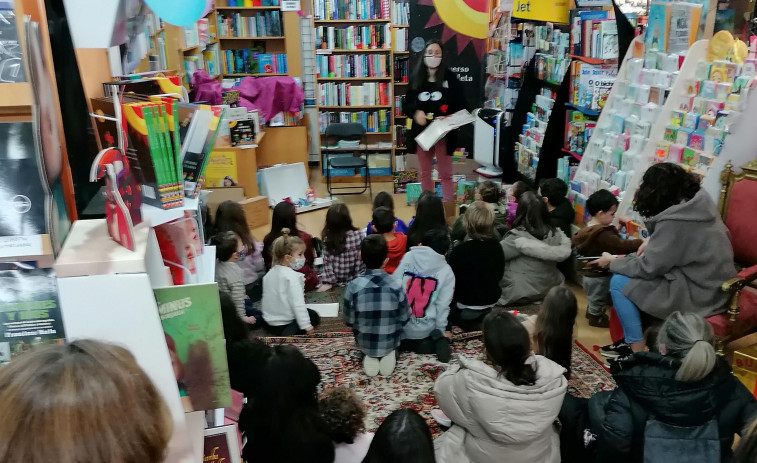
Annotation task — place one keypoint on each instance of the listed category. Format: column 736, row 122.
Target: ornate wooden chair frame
column 736, row 285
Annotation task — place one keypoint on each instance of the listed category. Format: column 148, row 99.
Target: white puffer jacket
column 495, row 420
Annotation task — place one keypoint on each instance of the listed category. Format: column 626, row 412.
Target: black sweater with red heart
column 436, row 99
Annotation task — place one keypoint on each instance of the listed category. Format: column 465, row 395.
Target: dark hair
column 650, row 337
column 490, row 192
column 420, row 73
column 437, row 239
column 429, row 214
column 403, row 437
column 286, row 406
column 664, row 185
column 383, row 199
column 226, row 245
column 284, row 216
column 373, row 251
column 746, row 452
column 532, row 216
column 342, row 413
column 508, row 347
column 600, row 201
column 519, row 188
column 383, row 219
column 554, row 190
column 338, row 223
column 234, row 329
column 553, row 332
column 230, row 217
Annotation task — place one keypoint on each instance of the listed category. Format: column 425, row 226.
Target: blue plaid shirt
column 376, row 308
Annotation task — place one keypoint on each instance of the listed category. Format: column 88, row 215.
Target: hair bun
column 285, row 232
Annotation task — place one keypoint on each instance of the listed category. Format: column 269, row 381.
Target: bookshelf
column 354, row 79
column 401, row 72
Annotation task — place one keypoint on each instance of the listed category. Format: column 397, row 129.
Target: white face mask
column 432, row 62
column 298, row 263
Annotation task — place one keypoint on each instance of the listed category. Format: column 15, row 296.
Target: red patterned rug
column 412, row 384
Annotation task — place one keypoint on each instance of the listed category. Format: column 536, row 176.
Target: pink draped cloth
column 271, row 95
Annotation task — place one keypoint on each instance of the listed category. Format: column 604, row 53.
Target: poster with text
column 191, row 318
column 29, row 311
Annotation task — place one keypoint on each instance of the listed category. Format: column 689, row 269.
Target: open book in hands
column 440, row 127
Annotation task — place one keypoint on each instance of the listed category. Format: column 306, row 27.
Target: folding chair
column 337, row 157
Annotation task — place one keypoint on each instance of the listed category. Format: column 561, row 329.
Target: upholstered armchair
column 738, row 207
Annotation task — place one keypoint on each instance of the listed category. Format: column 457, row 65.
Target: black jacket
column 562, row 217
column 478, row 266
column 452, row 100
column 647, row 389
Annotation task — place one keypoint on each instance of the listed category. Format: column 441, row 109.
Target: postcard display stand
column 583, row 185
column 106, row 293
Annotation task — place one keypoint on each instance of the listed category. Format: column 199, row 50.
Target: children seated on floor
column 513, row 196
column 553, row 328
column 503, row 406
column 384, row 224
column 429, row 284
column 284, row 289
column 284, row 216
column 229, row 275
column 403, row 437
column 376, row 309
column 478, row 264
column 561, row 213
column 532, row 250
column 599, row 236
column 490, row 193
column 384, row 199
column 231, row 217
column 429, row 215
column 341, row 248
column 343, row 416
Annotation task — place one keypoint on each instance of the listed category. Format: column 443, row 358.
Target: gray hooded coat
column 688, row 258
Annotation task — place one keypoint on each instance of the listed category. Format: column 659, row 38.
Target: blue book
column 265, row 63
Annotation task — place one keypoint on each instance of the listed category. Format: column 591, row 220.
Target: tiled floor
column 361, row 211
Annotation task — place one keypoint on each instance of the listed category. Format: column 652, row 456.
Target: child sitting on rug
column 376, row 309
column 284, row 289
column 504, row 403
column 344, row 418
column 553, row 331
column 384, row 199
column 229, row 275
column 396, row 242
column 403, row 437
column 429, row 284
column 341, row 248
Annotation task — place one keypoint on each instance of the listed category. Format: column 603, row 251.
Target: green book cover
column 163, row 151
column 191, row 318
column 152, row 144
column 165, row 141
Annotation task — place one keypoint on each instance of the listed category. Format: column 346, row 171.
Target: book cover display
column 191, row 318
column 29, row 311
column 180, row 244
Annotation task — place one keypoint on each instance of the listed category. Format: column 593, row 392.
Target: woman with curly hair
column 344, row 421
column 683, row 263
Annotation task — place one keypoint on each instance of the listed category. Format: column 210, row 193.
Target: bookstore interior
column 108, row 187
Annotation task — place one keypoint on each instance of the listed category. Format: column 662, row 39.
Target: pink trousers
column 443, row 166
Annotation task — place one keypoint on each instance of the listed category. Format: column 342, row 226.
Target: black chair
column 346, row 158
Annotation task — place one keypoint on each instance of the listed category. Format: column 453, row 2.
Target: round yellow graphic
column 464, row 17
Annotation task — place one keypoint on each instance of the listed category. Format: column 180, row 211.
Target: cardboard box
column 745, row 367
column 257, row 211
column 219, row 195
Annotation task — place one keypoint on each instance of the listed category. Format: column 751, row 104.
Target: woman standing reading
column 434, row 92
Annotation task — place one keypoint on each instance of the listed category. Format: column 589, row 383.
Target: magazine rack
column 106, row 293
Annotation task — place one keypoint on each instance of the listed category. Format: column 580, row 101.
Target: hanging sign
column 556, row 11
column 290, row 5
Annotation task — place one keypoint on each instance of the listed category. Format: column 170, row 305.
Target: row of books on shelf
column 401, row 13
column 402, row 70
column 401, row 39
column 400, row 135
column 345, row 94
column 351, row 9
column 399, row 101
column 593, row 34
column 209, row 61
column 153, row 23
column 551, row 69
column 249, row 3
column 252, row 61
column 157, row 54
column 372, row 121
column 198, row 34
column 578, row 131
column 168, row 143
column 353, row 37
column 266, row 24
column 591, row 84
column 373, row 65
